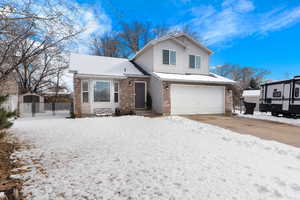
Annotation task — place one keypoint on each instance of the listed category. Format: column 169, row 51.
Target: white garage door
column 195, row 99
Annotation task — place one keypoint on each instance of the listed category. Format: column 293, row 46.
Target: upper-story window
column 169, row 57
column 195, row 61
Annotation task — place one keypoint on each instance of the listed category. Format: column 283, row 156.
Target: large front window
column 102, row 91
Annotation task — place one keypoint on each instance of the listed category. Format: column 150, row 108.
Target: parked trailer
column 281, row 97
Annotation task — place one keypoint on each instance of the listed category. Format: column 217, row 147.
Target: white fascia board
column 193, row 81
column 100, row 76
column 135, row 75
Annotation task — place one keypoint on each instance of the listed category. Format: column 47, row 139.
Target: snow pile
column 3, row 196
column 268, row 116
column 152, row 158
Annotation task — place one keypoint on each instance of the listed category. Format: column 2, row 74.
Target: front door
column 286, row 97
column 140, row 95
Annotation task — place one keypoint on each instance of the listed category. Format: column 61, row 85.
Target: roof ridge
column 100, row 56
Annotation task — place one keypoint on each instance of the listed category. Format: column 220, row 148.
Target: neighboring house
column 173, row 70
column 54, row 95
column 252, row 96
column 9, row 87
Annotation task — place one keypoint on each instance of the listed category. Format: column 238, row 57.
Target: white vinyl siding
column 173, row 57
column 169, row 57
column 194, row 61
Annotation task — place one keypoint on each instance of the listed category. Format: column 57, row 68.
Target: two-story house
column 172, row 71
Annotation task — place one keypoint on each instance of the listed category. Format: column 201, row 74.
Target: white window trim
column 145, row 91
column 110, row 96
column 116, row 82
column 169, row 57
column 88, row 91
column 195, row 61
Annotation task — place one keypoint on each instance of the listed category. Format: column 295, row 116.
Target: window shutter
column 173, row 57
column 166, row 57
column 198, row 61
column 192, row 61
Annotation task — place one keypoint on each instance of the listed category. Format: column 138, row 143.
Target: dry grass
column 2, row 135
column 11, row 186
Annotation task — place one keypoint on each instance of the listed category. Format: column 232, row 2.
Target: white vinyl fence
column 11, row 104
column 42, row 109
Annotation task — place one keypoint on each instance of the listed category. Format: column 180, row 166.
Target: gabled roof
column 103, row 66
column 193, row 78
column 175, row 38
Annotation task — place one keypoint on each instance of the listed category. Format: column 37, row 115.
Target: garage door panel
column 191, row 99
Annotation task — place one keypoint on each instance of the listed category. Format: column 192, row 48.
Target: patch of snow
column 135, row 157
column 269, row 117
column 3, row 195
column 211, row 78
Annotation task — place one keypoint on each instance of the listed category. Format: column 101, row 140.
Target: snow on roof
column 252, row 93
column 102, row 66
column 211, row 78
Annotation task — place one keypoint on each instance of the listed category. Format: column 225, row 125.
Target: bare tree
column 244, row 76
column 42, row 71
column 186, row 28
column 29, row 28
column 161, row 30
column 106, row 45
column 135, row 35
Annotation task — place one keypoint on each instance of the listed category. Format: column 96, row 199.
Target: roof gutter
column 193, row 81
column 134, row 75
column 101, row 76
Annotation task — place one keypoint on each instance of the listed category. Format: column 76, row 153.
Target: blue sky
column 259, row 33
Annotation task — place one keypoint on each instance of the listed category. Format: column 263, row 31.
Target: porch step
column 103, row 111
column 143, row 112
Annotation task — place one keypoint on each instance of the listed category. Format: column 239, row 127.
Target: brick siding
column 127, row 94
column 228, row 101
column 77, row 97
column 166, row 107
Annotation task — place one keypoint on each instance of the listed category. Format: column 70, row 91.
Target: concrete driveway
column 284, row 133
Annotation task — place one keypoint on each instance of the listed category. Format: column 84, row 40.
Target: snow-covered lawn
column 268, row 116
column 135, row 157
